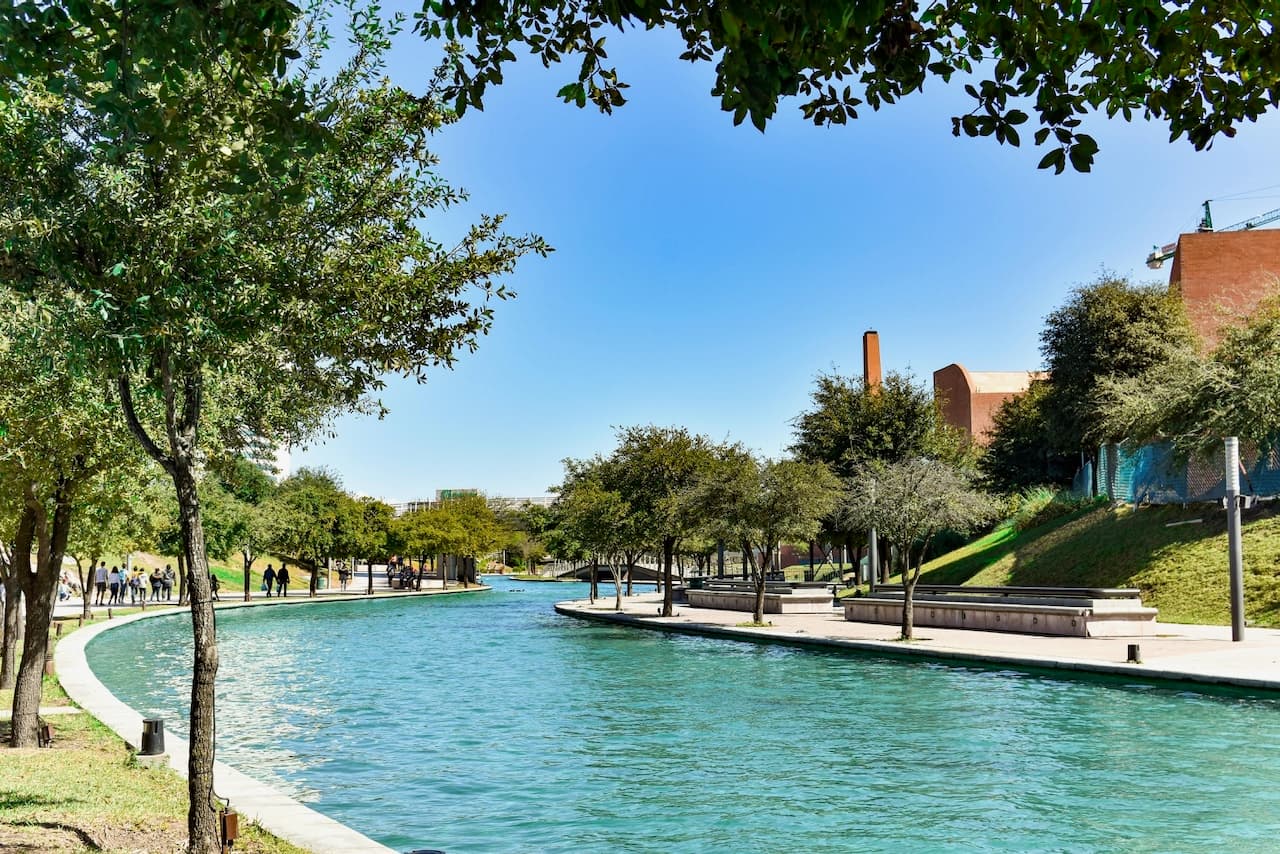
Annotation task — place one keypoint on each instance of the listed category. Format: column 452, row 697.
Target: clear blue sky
column 703, row 273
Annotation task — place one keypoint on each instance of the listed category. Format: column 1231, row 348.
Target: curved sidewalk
column 1177, row 653
column 275, row 812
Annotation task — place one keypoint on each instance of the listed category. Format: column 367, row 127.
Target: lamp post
column 1234, row 555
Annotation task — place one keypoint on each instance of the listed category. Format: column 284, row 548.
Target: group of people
column 279, row 579
column 401, row 569
column 114, row 584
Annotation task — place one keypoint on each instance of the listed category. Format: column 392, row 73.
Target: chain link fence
column 1149, row 474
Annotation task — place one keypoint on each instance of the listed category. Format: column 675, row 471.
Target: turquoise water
column 488, row 723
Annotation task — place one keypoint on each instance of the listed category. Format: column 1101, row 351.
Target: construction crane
column 1160, row 254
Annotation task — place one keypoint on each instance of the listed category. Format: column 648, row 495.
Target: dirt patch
column 56, row 838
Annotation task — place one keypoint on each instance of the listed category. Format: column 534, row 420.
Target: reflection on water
column 488, row 723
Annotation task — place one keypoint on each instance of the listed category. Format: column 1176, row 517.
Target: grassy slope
column 1181, row 570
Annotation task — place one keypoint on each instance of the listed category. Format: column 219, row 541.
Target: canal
column 486, row 722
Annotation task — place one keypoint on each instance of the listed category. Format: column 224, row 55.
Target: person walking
column 156, row 580
column 113, row 585
column 282, row 580
column 135, row 587
column 268, row 580
column 166, row 582
column 100, row 582
column 214, row 584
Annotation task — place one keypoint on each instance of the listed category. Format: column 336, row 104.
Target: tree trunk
column 631, row 571
column 595, row 580
column 182, row 419
column 9, row 650
column 86, row 610
column 908, row 605
column 40, row 589
column 614, row 570
column 202, row 820
column 668, row 549
column 757, row 574
column 248, row 564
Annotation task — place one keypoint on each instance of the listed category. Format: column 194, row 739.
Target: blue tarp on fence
column 1149, row 474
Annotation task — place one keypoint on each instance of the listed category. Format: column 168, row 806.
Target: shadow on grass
column 12, row 799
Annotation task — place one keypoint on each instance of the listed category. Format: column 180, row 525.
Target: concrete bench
column 1052, row 611
column 775, row 602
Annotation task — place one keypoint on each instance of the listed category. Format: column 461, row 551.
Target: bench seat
column 1047, row 615
column 775, row 602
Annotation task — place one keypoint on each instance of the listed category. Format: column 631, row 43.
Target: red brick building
column 971, row 398
column 1223, row 275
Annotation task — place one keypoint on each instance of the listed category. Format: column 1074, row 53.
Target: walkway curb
column 277, row 813
column 897, row 649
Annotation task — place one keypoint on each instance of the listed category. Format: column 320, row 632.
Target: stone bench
column 775, row 602
column 1060, row 613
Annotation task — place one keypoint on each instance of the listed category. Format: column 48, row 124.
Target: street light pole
column 1234, row 552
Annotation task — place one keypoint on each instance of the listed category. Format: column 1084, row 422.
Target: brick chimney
column 871, row 359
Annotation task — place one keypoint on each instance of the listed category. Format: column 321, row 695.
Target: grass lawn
column 1180, row 568
column 86, row 793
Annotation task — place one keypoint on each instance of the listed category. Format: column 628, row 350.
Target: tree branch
column 135, row 426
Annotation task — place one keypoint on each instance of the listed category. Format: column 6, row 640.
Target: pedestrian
column 100, row 582
column 166, row 582
column 268, row 580
column 282, row 580
column 135, row 587
column 156, row 580
column 113, row 584
column 214, row 584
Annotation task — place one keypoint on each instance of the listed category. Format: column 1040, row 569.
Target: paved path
column 357, row 587
column 1185, row 653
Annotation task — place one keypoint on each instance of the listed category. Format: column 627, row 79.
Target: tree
column 250, row 487
column 304, row 518
column 651, row 468
column 1195, row 400
column 1109, row 328
column 112, row 517
column 1019, row 454
column 759, row 504
column 471, row 526
column 851, row 424
column 1202, row 69
column 215, row 274
column 600, row 521
column 53, row 445
column 910, row 502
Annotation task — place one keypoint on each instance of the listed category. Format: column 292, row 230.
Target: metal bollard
column 152, row 737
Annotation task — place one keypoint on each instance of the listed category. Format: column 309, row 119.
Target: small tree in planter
column 909, row 503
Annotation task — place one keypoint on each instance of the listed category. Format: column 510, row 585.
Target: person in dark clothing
column 282, row 581
column 268, row 580
column 214, row 584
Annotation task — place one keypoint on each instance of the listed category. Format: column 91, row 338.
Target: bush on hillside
column 1041, row 504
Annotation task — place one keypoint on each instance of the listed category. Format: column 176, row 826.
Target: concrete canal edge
column 274, row 811
column 897, row 649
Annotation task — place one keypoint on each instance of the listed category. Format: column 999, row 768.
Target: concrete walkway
column 1182, row 653
column 274, row 811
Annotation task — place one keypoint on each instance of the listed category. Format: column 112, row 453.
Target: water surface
column 487, row 722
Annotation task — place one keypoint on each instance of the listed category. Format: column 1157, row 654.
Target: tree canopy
column 1194, row 400
column 850, row 423
column 910, row 502
column 1201, row 68
column 1110, row 328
